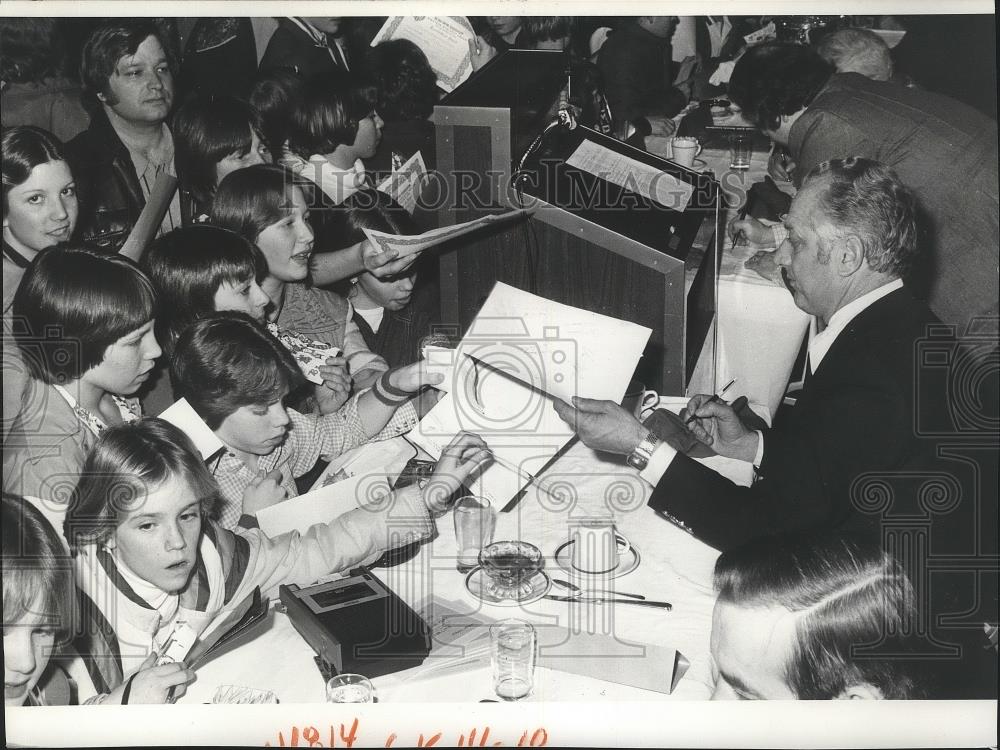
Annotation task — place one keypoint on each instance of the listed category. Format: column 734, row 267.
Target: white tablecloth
column 674, row 567
column 760, row 330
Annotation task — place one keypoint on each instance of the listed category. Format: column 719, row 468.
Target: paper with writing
column 181, row 415
column 358, row 477
column 403, row 185
column 444, row 39
column 625, row 172
column 382, row 242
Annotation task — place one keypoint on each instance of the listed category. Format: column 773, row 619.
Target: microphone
column 565, row 118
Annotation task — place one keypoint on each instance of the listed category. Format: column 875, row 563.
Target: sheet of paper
column 520, row 352
column 561, row 350
column 444, row 39
column 631, row 174
column 403, row 185
column 181, row 415
column 353, row 482
column 603, row 657
column 382, row 242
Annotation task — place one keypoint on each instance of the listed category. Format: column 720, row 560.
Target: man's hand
column 336, row 387
column 460, row 459
column 263, row 491
column 717, row 425
column 780, row 165
column 749, row 231
column 602, row 425
column 763, row 263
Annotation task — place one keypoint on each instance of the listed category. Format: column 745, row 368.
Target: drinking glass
column 349, row 688
column 740, row 150
column 513, row 644
column 475, row 521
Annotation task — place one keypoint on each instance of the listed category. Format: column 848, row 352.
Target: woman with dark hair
column 35, row 90
column 137, row 594
column 88, row 344
column 40, row 205
column 393, row 314
column 37, row 605
column 213, row 136
column 274, row 95
column 266, row 205
column 39, row 209
column 407, row 93
column 333, row 128
column 239, row 377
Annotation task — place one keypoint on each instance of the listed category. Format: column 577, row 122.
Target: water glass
column 740, row 150
column 349, row 688
column 475, row 521
column 513, row 646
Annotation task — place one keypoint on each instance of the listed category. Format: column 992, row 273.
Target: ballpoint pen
column 739, row 217
column 717, row 397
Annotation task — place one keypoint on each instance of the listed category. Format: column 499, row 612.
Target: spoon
column 577, row 590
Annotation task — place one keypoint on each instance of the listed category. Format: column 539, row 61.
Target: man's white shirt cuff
column 658, row 464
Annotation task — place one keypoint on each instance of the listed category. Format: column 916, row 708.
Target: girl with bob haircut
column 147, row 556
column 40, row 205
column 333, row 127
column 88, row 344
column 266, row 205
column 37, row 596
column 202, row 269
column 213, row 136
column 238, row 377
column 40, row 209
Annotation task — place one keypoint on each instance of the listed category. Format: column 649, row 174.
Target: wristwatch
column 639, row 458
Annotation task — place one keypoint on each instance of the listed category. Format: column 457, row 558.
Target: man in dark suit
column 307, row 45
column 852, row 237
column 856, row 456
column 942, row 150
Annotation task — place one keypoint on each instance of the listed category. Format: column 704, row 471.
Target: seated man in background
column 857, row 51
column 128, row 85
column 942, row 150
column 638, row 76
column 806, row 618
column 852, row 238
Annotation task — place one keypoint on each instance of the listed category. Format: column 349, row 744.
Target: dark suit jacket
column 294, row 49
column 943, row 150
column 855, row 415
column 638, row 76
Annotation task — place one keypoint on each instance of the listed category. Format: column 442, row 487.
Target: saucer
column 627, row 562
column 476, row 584
column 699, row 163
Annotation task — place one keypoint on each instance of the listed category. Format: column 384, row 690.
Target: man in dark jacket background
column 129, row 87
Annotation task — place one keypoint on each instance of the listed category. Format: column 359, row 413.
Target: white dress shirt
column 663, row 456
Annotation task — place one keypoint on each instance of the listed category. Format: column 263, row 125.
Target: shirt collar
column 822, row 341
column 161, row 155
column 317, row 36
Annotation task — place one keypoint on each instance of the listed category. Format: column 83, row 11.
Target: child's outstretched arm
column 397, row 519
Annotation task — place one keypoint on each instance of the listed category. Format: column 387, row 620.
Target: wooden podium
column 590, row 243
